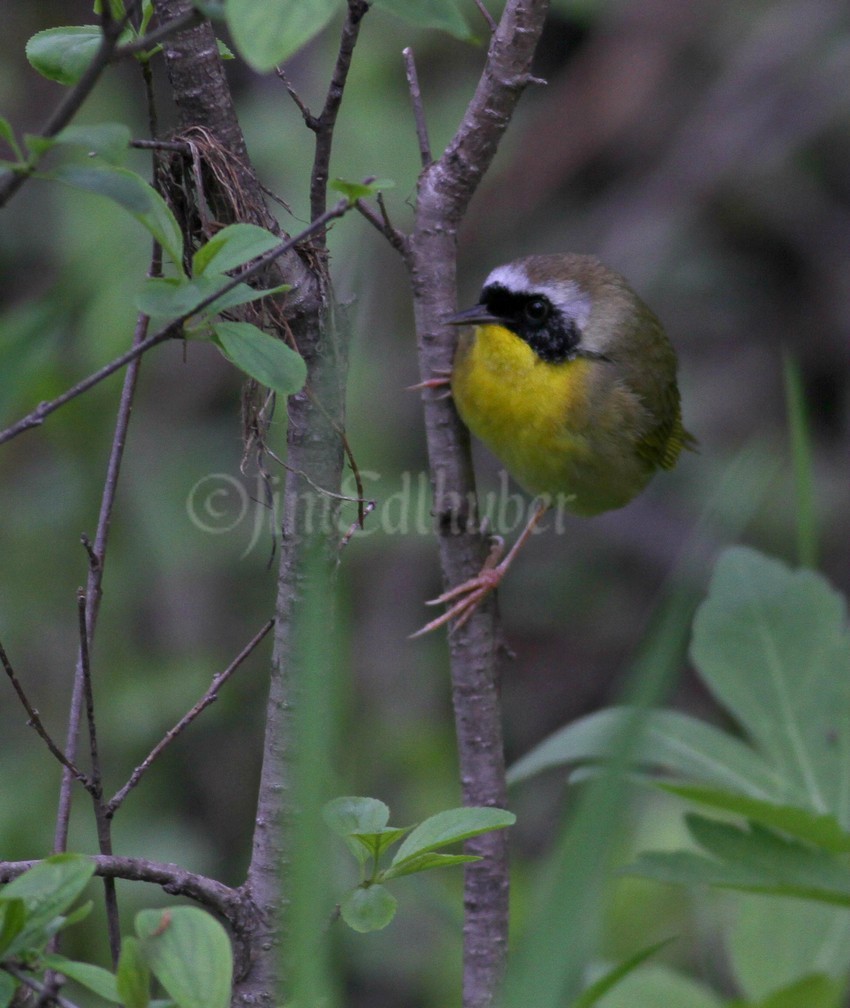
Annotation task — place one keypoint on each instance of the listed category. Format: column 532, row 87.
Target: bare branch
column 209, row 697
column 172, row 878
column 46, row 995
column 324, row 124
column 418, row 109
column 488, row 17
column 382, row 223
column 35, row 722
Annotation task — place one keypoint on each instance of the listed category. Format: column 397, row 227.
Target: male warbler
column 570, row 380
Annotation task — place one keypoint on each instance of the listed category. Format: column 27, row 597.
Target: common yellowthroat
column 570, row 380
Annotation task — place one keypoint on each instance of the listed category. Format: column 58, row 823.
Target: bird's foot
column 440, row 380
column 469, row 594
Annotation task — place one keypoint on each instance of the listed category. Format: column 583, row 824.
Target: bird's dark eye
column 537, row 310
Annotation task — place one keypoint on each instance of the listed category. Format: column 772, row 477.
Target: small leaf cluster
column 184, row 948
column 264, row 358
column 362, row 823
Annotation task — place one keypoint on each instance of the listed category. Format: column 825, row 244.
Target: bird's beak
column 476, row 315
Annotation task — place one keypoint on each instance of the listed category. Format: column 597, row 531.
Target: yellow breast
column 532, row 414
column 571, row 430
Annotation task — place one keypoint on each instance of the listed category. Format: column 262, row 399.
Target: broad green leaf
column 422, row 862
column 449, row 827
column 444, row 15
column 131, row 192
column 64, row 54
column 271, row 362
column 656, row 986
column 354, row 191
column 755, row 860
column 368, row 909
column 670, row 741
column 189, row 952
column 47, row 890
column 174, row 297
column 608, row 981
column 110, row 140
column 268, row 33
column 233, row 246
column 8, row 986
column 133, row 975
column 12, row 919
column 376, row 843
column 95, row 978
column 820, row 830
column 774, row 941
column 348, row 815
column 773, row 646
column 813, row 991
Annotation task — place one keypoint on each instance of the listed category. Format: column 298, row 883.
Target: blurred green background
column 702, row 150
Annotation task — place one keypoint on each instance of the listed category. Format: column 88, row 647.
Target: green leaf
column 348, row 815
column 133, row 976
column 657, row 986
column 47, row 890
column 189, row 952
column 12, row 919
column 131, row 192
column 774, row 941
column 268, row 360
column 353, row 191
column 8, row 986
column 95, row 978
column 444, row 15
column 223, row 50
column 422, row 862
column 233, row 246
column 368, row 909
column 755, row 860
column 820, row 830
column 173, row 297
column 773, row 646
column 376, row 843
column 608, row 981
column 449, row 827
column 268, row 33
column 109, row 140
column 64, row 54
column 8, row 134
column 670, row 741
column 812, row 991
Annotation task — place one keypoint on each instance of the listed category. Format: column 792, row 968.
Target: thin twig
column 326, row 121
column 209, row 697
column 186, row 20
column 174, row 880
column 35, row 722
column 306, row 114
column 398, row 239
column 52, row 997
column 173, row 328
column 488, row 17
column 358, row 524
column 85, row 664
column 418, row 109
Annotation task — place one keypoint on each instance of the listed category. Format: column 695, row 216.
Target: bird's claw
column 469, row 594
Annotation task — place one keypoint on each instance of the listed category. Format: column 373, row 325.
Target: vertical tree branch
column 314, row 458
column 445, row 188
